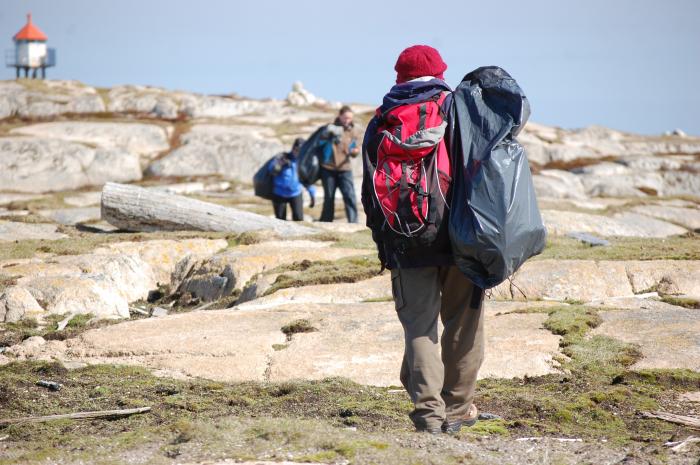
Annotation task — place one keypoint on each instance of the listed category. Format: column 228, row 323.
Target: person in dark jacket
column 426, row 284
column 286, row 186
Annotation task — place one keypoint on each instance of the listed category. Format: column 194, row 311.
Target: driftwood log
column 690, row 422
column 133, row 208
column 77, row 416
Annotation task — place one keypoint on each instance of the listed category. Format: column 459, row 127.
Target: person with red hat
column 406, row 194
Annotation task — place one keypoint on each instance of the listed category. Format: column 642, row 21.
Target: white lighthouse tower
column 30, row 51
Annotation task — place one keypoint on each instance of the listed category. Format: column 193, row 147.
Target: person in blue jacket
column 287, row 188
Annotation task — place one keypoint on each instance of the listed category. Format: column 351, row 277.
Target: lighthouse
column 30, row 51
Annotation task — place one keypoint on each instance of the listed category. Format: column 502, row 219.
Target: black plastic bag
column 263, row 180
column 495, row 223
column 309, row 158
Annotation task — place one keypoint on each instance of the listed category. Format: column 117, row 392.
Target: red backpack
column 410, row 173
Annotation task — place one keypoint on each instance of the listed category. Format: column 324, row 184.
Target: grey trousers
column 441, row 388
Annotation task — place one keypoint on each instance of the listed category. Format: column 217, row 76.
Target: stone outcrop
column 142, row 139
column 234, row 270
column 624, row 224
column 667, row 338
column 167, row 104
column 45, row 99
column 33, row 164
column 588, row 280
column 232, row 151
column 17, row 303
column 104, row 282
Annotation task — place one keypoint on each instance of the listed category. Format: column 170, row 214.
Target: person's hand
column 355, row 151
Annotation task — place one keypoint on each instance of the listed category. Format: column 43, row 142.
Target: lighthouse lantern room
column 30, row 52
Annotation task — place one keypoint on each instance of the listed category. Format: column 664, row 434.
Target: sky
column 632, row 65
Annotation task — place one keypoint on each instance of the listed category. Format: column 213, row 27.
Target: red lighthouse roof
column 30, row 31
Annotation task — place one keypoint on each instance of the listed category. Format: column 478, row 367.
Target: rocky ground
column 257, row 347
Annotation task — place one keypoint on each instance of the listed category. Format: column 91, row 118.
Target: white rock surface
column 235, row 152
column 30, row 164
column 15, row 231
column 589, row 280
column 17, row 303
column 238, row 345
column 166, row 104
column 142, row 139
column 47, row 98
column 71, row 216
column 686, row 217
column 626, row 224
column 234, row 269
column 558, row 184
column 106, row 281
column 84, row 199
column 9, row 198
column 299, row 96
column 666, row 338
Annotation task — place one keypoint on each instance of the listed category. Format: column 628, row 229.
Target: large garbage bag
column 309, row 158
column 495, row 224
column 263, row 180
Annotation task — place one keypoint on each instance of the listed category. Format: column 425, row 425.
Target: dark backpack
column 410, row 172
column 263, row 180
column 310, row 156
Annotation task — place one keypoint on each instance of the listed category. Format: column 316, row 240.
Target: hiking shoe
column 453, row 426
column 429, row 430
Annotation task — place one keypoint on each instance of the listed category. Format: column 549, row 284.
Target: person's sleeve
column 366, row 196
column 276, row 165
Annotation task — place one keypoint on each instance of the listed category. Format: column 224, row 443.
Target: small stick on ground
column 204, row 307
column 690, row 422
column 679, row 446
column 138, row 310
column 77, row 416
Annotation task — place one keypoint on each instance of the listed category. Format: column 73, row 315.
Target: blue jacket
column 286, row 183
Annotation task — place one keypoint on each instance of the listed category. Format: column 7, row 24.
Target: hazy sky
column 628, row 64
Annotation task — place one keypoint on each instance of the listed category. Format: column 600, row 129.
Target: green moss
column 319, row 457
column 378, row 299
column 306, row 420
column 81, row 242
column 46, row 202
column 572, row 321
column 15, row 333
column 298, row 326
column 345, row 270
column 487, row 428
column 623, row 248
column 687, row 302
column 356, row 240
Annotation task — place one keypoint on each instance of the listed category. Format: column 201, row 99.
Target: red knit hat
column 418, row 61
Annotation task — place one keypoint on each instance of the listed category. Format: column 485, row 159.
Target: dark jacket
column 439, row 253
